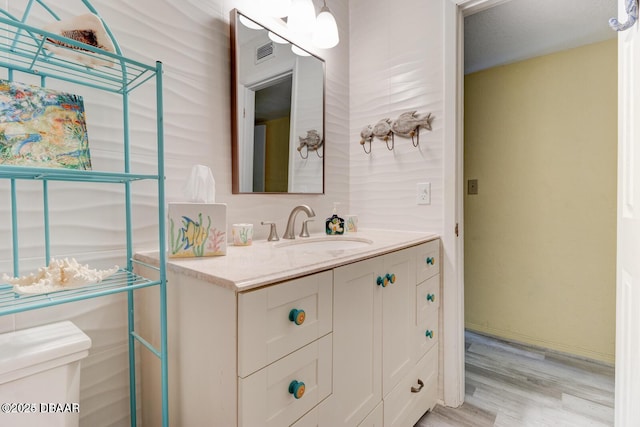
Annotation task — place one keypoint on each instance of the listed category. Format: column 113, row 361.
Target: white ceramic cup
column 242, row 234
column 351, row 223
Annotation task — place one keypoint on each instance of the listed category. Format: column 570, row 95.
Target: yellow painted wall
column 276, row 168
column 541, row 138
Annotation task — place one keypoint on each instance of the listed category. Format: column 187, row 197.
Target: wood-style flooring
column 510, row 385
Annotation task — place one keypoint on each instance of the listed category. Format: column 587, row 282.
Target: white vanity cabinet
column 382, row 351
column 351, row 343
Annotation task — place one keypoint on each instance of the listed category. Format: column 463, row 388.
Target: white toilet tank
column 40, row 375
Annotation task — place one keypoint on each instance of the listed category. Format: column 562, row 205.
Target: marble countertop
column 264, row 263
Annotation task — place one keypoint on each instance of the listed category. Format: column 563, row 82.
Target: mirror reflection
column 278, row 113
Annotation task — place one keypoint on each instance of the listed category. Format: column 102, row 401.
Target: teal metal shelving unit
column 23, row 50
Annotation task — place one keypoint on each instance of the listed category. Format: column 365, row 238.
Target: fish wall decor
column 366, row 135
column 407, row 125
column 382, row 130
column 313, row 141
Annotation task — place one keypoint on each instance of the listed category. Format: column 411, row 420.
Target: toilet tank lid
column 29, row 347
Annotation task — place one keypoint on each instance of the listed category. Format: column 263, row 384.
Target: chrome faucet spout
column 291, row 222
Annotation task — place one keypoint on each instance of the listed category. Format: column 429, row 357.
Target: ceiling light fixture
column 302, row 21
column 276, row 38
column 277, row 8
column 302, row 17
column 249, row 23
column 325, row 35
column 295, row 49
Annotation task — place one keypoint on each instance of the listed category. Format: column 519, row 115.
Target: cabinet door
column 357, row 324
column 398, row 318
column 375, row 418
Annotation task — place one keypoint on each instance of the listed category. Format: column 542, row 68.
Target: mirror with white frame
column 277, row 112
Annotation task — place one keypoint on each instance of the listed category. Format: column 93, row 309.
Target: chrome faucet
column 291, row 222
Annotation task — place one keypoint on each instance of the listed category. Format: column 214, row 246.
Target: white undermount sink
column 325, row 243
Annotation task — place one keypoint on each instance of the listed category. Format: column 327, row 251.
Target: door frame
column 453, row 245
column 453, row 224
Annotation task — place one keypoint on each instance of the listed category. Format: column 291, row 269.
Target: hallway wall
column 540, row 242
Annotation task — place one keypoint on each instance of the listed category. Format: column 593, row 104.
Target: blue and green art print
column 41, row 127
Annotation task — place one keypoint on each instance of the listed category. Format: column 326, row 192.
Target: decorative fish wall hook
column 313, row 141
column 409, row 124
column 382, row 130
column 631, row 6
column 366, row 135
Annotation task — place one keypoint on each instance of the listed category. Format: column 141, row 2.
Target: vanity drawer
column 428, row 296
column 277, row 320
column 428, row 260
column 427, row 305
column 409, row 400
column 309, row 420
column 266, row 398
column 426, row 335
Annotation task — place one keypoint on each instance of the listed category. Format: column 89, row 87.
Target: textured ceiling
column 521, row 29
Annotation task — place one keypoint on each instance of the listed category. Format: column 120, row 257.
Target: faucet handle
column 305, row 229
column 273, row 233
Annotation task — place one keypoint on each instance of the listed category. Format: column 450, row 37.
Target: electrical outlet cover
column 423, row 193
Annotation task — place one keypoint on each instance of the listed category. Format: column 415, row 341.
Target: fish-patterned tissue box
column 197, row 229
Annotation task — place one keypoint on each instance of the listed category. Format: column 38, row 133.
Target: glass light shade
column 302, row 17
column 250, row 24
column 295, row 49
column 276, row 8
column 276, row 38
column 325, row 35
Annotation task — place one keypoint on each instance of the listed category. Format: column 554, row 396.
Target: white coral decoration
column 58, row 275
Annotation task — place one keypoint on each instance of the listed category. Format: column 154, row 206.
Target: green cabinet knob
column 431, row 297
column 429, row 334
column 296, row 388
column 297, row 316
column 431, row 260
column 391, row 277
column 382, row 281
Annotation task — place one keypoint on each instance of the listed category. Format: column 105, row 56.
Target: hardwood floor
column 510, row 385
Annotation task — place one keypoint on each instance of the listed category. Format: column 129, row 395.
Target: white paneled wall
column 191, row 38
column 396, row 56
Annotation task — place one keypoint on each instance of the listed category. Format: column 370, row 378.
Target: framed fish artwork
column 40, row 127
column 197, row 229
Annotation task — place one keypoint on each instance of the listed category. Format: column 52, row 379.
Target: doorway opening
column 509, row 231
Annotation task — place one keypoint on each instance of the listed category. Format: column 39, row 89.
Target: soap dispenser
column 335, row 224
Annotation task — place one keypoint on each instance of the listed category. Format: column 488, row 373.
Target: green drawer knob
column 431, row 260
column 391, row 278
column 382, row 281
column 429, row 334
column 297, row 316
column 296, row 388
column 431, row 297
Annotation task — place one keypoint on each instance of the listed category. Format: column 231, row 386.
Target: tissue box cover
column 197, row 229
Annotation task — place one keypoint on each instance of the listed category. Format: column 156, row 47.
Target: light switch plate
column 423, row 193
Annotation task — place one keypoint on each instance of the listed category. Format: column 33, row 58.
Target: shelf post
column 161, row 250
